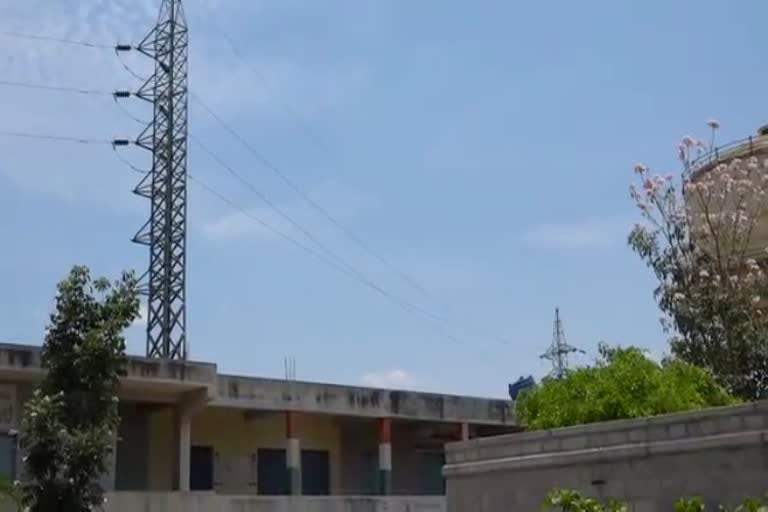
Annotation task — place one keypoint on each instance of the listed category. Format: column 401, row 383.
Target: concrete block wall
column 209, row 502
column 720, row 454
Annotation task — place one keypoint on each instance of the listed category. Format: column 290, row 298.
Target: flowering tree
column 701, row 246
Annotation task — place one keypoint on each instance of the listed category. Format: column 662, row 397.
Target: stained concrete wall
column 167, row 381
column 279, row 395
column 416, row 469
column 719, row 454
column 132, row 448
column 23, row 361
column 208, row 502
column 359, row 456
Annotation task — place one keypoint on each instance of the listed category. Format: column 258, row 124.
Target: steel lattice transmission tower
column 165, row 232
column 558, row 351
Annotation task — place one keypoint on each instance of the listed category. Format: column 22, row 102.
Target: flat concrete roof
column 158, row 380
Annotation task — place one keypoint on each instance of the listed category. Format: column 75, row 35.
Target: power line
column 211, row 17
column 61, row 138
column 413, row 283
column 268, row 202
column 260, row 156
column 349, row 272
column 129, row 69
column 45, row 87
column 325, row 213
column 344, row 266
column 35, row 37
column 328, row 256
column 309, row 200
column 406, row 306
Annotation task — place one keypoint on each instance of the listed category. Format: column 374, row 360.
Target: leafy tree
column 623, row 383
column 700, row 242
column 70, row 421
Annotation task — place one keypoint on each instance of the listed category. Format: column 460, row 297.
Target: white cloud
column 388, row 379
column 141, row 320
column 594, row 233
column 91, row 173
column 655, row 355
column 243, row 224
column 343, row 203
column 72, row 172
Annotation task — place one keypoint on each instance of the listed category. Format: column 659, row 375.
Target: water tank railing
column 737, row 149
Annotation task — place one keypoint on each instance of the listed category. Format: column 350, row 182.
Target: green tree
column 699, row 240
column 623, row 383
column 70, row 422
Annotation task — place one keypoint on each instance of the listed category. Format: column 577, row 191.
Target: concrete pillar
column 385, row 456
column 183, row 448
column 465, row 431
column 107, row 480
column 293, row 454
column 189, row 404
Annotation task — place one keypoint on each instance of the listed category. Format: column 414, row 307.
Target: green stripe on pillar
column 385, row 456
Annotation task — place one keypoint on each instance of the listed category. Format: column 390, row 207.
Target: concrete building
column 185, row 427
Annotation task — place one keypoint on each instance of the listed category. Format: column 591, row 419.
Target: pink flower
column 640, row 168
column 688, row 141
column 713, row 123
column 648, row 184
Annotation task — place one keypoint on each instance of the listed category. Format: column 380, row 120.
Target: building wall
column 416, row 469
column 146, row 452
column 133, row 448
column 359, row 456
column 208, row 502
column 719, row 454
column 236, row 435
column 162, row 450
column 279, row 395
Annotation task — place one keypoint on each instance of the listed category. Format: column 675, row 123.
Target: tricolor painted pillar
column 385, row 456
column 293, row 454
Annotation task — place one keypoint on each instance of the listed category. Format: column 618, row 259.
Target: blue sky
column 484, row 148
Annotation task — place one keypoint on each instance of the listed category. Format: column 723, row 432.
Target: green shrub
column 567, row 500
column 623, row 383
column 572, row 501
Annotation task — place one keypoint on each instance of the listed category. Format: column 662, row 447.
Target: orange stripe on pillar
column 385, row 430
column 289, row 425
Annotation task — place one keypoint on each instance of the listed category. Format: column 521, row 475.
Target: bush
column 624, row 383
column 567, row 500
column 571, row 501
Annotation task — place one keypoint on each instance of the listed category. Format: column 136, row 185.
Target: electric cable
column 46, row 87
column 35, row 37
column 61, row 138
